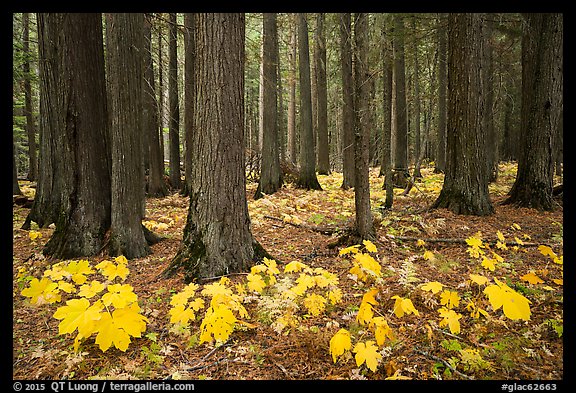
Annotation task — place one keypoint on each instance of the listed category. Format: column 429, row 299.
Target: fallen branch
column 462, row 241
column 322, row 230
column 436, row 358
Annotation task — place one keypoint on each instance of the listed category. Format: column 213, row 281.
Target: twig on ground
column 436, row 358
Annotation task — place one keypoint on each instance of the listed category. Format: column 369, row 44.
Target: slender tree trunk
column 15, row 185
column 364, row 223
column 30, row 128
column 307, row 176
column 217, row 237
column 174, row 123
column 74, row 184
column 124, row 45
column 156, row 185
column 542, row 103
column 292, row 58
column 465, row 188
column 417, row 98
column 161, row 100
column 442, row 91
column 281, row 115
column 322, row 98
column 488, row 81
column 189, row 90
column 387, row 68
column 347, row 96
column 270, row 174
column 400, row 174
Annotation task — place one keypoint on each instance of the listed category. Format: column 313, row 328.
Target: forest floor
column 488, row 346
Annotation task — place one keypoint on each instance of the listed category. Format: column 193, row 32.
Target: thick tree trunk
column 465, row 189
column 270, row 174
column 542, row 103
column 217, row 237
column 364, row 223
column 307, row 177
column 348, row 99
column 322, row 98
column 156, row 185
column 74, row 183
column 174, row 121
column 124, row 45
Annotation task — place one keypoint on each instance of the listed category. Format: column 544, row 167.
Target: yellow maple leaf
column 449, row 298
column 429, row 255
column 450, row 318
column 272, row 266
column 474, row 241
column 397, row 376
column 500, row 236
column 370, row 247
column 34, row 235
column 294, row 266
column 348, row 250
column 110, row 270
column 315, row 304
column 382, row 330
column 546, row 251
column 478, row 279
column 66, row 286
column 109, row 333
column 42, row 291
column 78, row 314
column 119, row 295
column 181, row 314
column 90, row 290
column 256, row 282
column 367, row 353
column 218, row 324
column 420, row 243
column 489, row 263
column 369, row 266
column 433, row 286
column 335, row 295
column 558, row 281
column 365, row 312
column 514, row 305
column 404, row 306
column 515, row 227
column 339, row 343
column 78, row 270
column 532, row 278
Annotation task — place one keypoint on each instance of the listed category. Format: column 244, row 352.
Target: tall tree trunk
column 217, row 237
column 189, row 90
column 488, row 119
column 364, row 223
column 270, row 174
column 347, row 96
column 307, row 176
column 124, row 47
column 465, row 189
column 161, row 87
column 387, row 68
column 292, row 60
column 417, row 98
column 30, row 128
column 542, row 103
column 174, row 121
column 400, row 174
column 282, row 126
column 156, row 185
column 74, row 184
column 442, row 92
column 322, row 97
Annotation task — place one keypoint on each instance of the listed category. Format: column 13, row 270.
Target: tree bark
column 386, row 159
column 15, row 185
column 307, row 177
column 442, row 92
column 156, row 185
column 74, row 184
column 364, row 222
column 465, row 188
column 189, row 90
column 542, row 103
column 348, row 101
column 417, row 102
column 270, row 174
column 322, row 97
column 217, row 237
column 174, row 121
column 400, row 175
column 124, row 47
column 30, row 128
column 292, row 58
